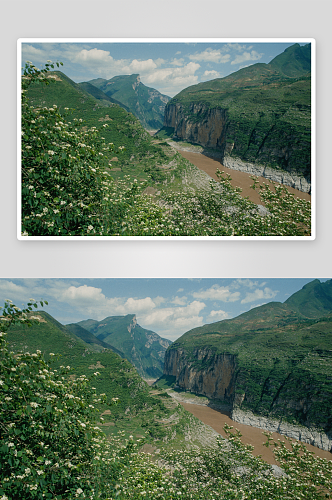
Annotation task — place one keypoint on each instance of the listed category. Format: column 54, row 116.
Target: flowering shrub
column 49, row 444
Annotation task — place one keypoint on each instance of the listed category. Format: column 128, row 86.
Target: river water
column 239, row 179
column 250, row 435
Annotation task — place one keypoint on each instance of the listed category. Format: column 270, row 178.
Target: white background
column 177, row 19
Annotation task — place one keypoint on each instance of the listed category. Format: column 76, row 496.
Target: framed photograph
column 166, row 388
column 166, row 138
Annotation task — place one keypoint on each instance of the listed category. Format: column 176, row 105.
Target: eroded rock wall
column 203, row 126
column 208, row 374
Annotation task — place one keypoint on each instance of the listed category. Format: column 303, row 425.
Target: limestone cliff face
column 208, row 374
column 203, row 126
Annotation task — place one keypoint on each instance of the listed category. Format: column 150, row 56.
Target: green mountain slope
column 265, row 113
column 313, row 300
column 141, row 156
column 99, row 94
column 295, row 61
column 143, row 348
column 146, row 103
column 273, row 360
column 138, row 410
column 90, row 339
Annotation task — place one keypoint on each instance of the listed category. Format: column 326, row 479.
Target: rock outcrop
column 215, row 377
column 202, row 126
column 309, row 435
column 273, row 174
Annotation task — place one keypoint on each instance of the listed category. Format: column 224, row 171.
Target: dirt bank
column 239, row 179
column 250, row 435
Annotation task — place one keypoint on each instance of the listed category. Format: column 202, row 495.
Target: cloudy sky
column 167, row 306
column 166, row 66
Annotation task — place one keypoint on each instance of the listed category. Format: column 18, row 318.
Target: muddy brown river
column 250, row 435
column 239, row 179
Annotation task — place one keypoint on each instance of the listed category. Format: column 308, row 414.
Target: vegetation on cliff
column 282, row 357
column 51, row 447
column 267, row 111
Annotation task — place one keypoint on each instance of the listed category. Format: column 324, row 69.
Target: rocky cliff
column 207, row 374
column 201, row 125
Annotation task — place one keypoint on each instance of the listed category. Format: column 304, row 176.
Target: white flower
column 27, row 471
column 34, row 405
column 10, row 445
column 79, row 491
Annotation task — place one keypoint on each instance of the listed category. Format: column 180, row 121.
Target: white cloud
column 11, row 291
column 212, row 74
column 140, row 67
column 139, row 305
column 172, row 322
column 247, row 56
column 172, row 80
column 217, row 292
column 177, row 62
column 211, row 55
column 259, row 294
column 248, row 283
column 94, row 55
column 179, row 301
column 217, row 316
column 91, row 301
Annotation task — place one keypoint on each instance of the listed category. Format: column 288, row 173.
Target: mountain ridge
column 146, row 103
column 144, row 348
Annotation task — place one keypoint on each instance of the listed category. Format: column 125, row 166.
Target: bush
column 50, row 446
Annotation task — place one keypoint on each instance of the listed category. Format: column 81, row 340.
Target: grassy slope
column 133, row 342
column 284, row 359
column 268, row 111
column 139, row 408
column 140, row 158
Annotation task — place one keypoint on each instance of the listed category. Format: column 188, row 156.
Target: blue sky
column 167, row 306
column 168, row 67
